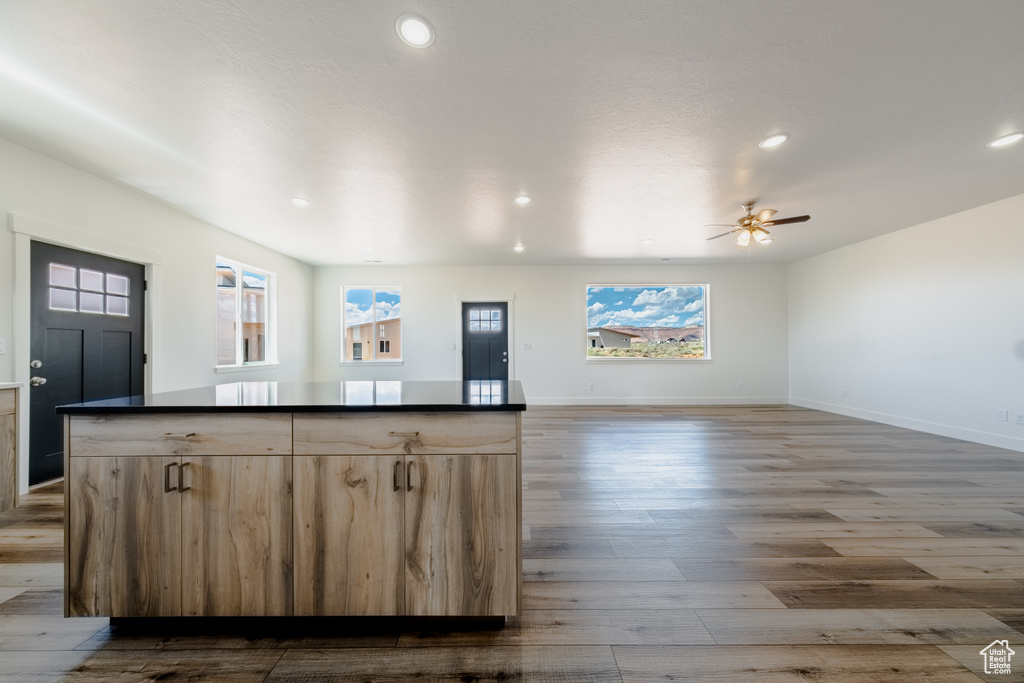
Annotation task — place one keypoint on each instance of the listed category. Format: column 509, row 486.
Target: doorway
column 485, row 340
column 86, row 342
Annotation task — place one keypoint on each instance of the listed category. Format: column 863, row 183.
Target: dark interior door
column 485, row 340
column 87, row 342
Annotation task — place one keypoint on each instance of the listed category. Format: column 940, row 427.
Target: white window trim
column 271, row 338
column 375, row 327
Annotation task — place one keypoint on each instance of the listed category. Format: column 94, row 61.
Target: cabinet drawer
column 7, row 401
column 409, row 433
column 182, row 434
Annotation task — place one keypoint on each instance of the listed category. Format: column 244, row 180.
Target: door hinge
column 145, row 358
column 145, row 285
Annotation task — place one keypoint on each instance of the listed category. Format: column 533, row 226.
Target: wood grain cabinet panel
column 405, row 433
column 8, row 460
column 348, row 545
column 236, row 536
column 125, row 542
column 181, row 434
column 460, row 535
column 159, row 536
column 8, row 449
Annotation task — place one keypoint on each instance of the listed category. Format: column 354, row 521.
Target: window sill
column 358, row 363
column 247, row 366
column 593, row 359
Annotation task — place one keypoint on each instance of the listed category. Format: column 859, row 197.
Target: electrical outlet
column 1019, row 418
column 1002, row 415
column 739, row 386
column 844, row 393
column 590, row 387
column 453, row 346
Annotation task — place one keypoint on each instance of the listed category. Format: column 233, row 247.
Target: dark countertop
column 318, row 397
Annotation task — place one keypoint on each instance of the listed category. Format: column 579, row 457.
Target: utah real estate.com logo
column 997, row 657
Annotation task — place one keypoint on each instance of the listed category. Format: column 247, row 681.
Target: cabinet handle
column 408, row 475
column 405, row 435
column 181, row 476
column 394, row 476
column 178, row 436
column 167, row 477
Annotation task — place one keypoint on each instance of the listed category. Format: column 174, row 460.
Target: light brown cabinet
column 159, row 536
column 275, row 514
column 410, row 535
column 8, row 449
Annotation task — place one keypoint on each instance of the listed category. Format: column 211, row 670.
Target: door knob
column 37, row 381
column 36, row 364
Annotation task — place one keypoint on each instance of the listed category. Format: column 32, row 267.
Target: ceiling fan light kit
column 752, row 225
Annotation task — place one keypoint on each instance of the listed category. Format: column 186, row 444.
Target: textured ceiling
column 623, row 120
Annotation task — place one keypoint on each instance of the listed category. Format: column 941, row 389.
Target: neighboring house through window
column 371, row 324
column 245, row 334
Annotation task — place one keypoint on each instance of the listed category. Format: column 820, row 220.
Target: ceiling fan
column 753, row 225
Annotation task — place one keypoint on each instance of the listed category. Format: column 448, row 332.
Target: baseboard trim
column 972, row 435
column 658, row 401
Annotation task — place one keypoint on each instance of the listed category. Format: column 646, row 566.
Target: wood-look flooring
column 661, row 544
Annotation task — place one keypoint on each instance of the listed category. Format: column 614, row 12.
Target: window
column 244, row 327
column 647, row 321
column 371, row 324
column 485, row 320
column 87, row 291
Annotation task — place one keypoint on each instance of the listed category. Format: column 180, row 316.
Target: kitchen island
column 296, row 499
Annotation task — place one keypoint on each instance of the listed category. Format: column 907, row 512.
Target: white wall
column 39, row 196
column 747, row 329
column 923, row 328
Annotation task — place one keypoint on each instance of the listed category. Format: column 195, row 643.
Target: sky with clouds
column 676, row 306
column 359, row 305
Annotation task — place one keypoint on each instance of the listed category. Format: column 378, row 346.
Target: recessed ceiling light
column 1006, row 140
column 519, row 247
column 773, row 141
column 414, row 30
column 372, row 261
column 300, row 201
column 647, row 242
column 523, row 200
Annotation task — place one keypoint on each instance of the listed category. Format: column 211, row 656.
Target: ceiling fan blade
column 765, row 214
column 722, row 235
column 783, row 221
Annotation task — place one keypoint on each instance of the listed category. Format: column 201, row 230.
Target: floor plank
column 794, row 664
column 717, row 543
column 854, row 626
column 454, row 664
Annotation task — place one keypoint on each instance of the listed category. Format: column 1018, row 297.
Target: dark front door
column 87, row 322
column 485, row 340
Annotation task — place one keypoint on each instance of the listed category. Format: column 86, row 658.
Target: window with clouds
column 647, row 321
column 371, row 324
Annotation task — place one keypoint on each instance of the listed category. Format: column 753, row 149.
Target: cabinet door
column 236, row 536
column 124, row 546
column 8, row 461
column 460, row 535
column 348, row 535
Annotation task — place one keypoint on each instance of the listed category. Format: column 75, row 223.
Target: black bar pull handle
column 167, row 477
column 181, row 476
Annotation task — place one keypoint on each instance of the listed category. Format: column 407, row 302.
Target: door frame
column 26, row 230
column 476, row 299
